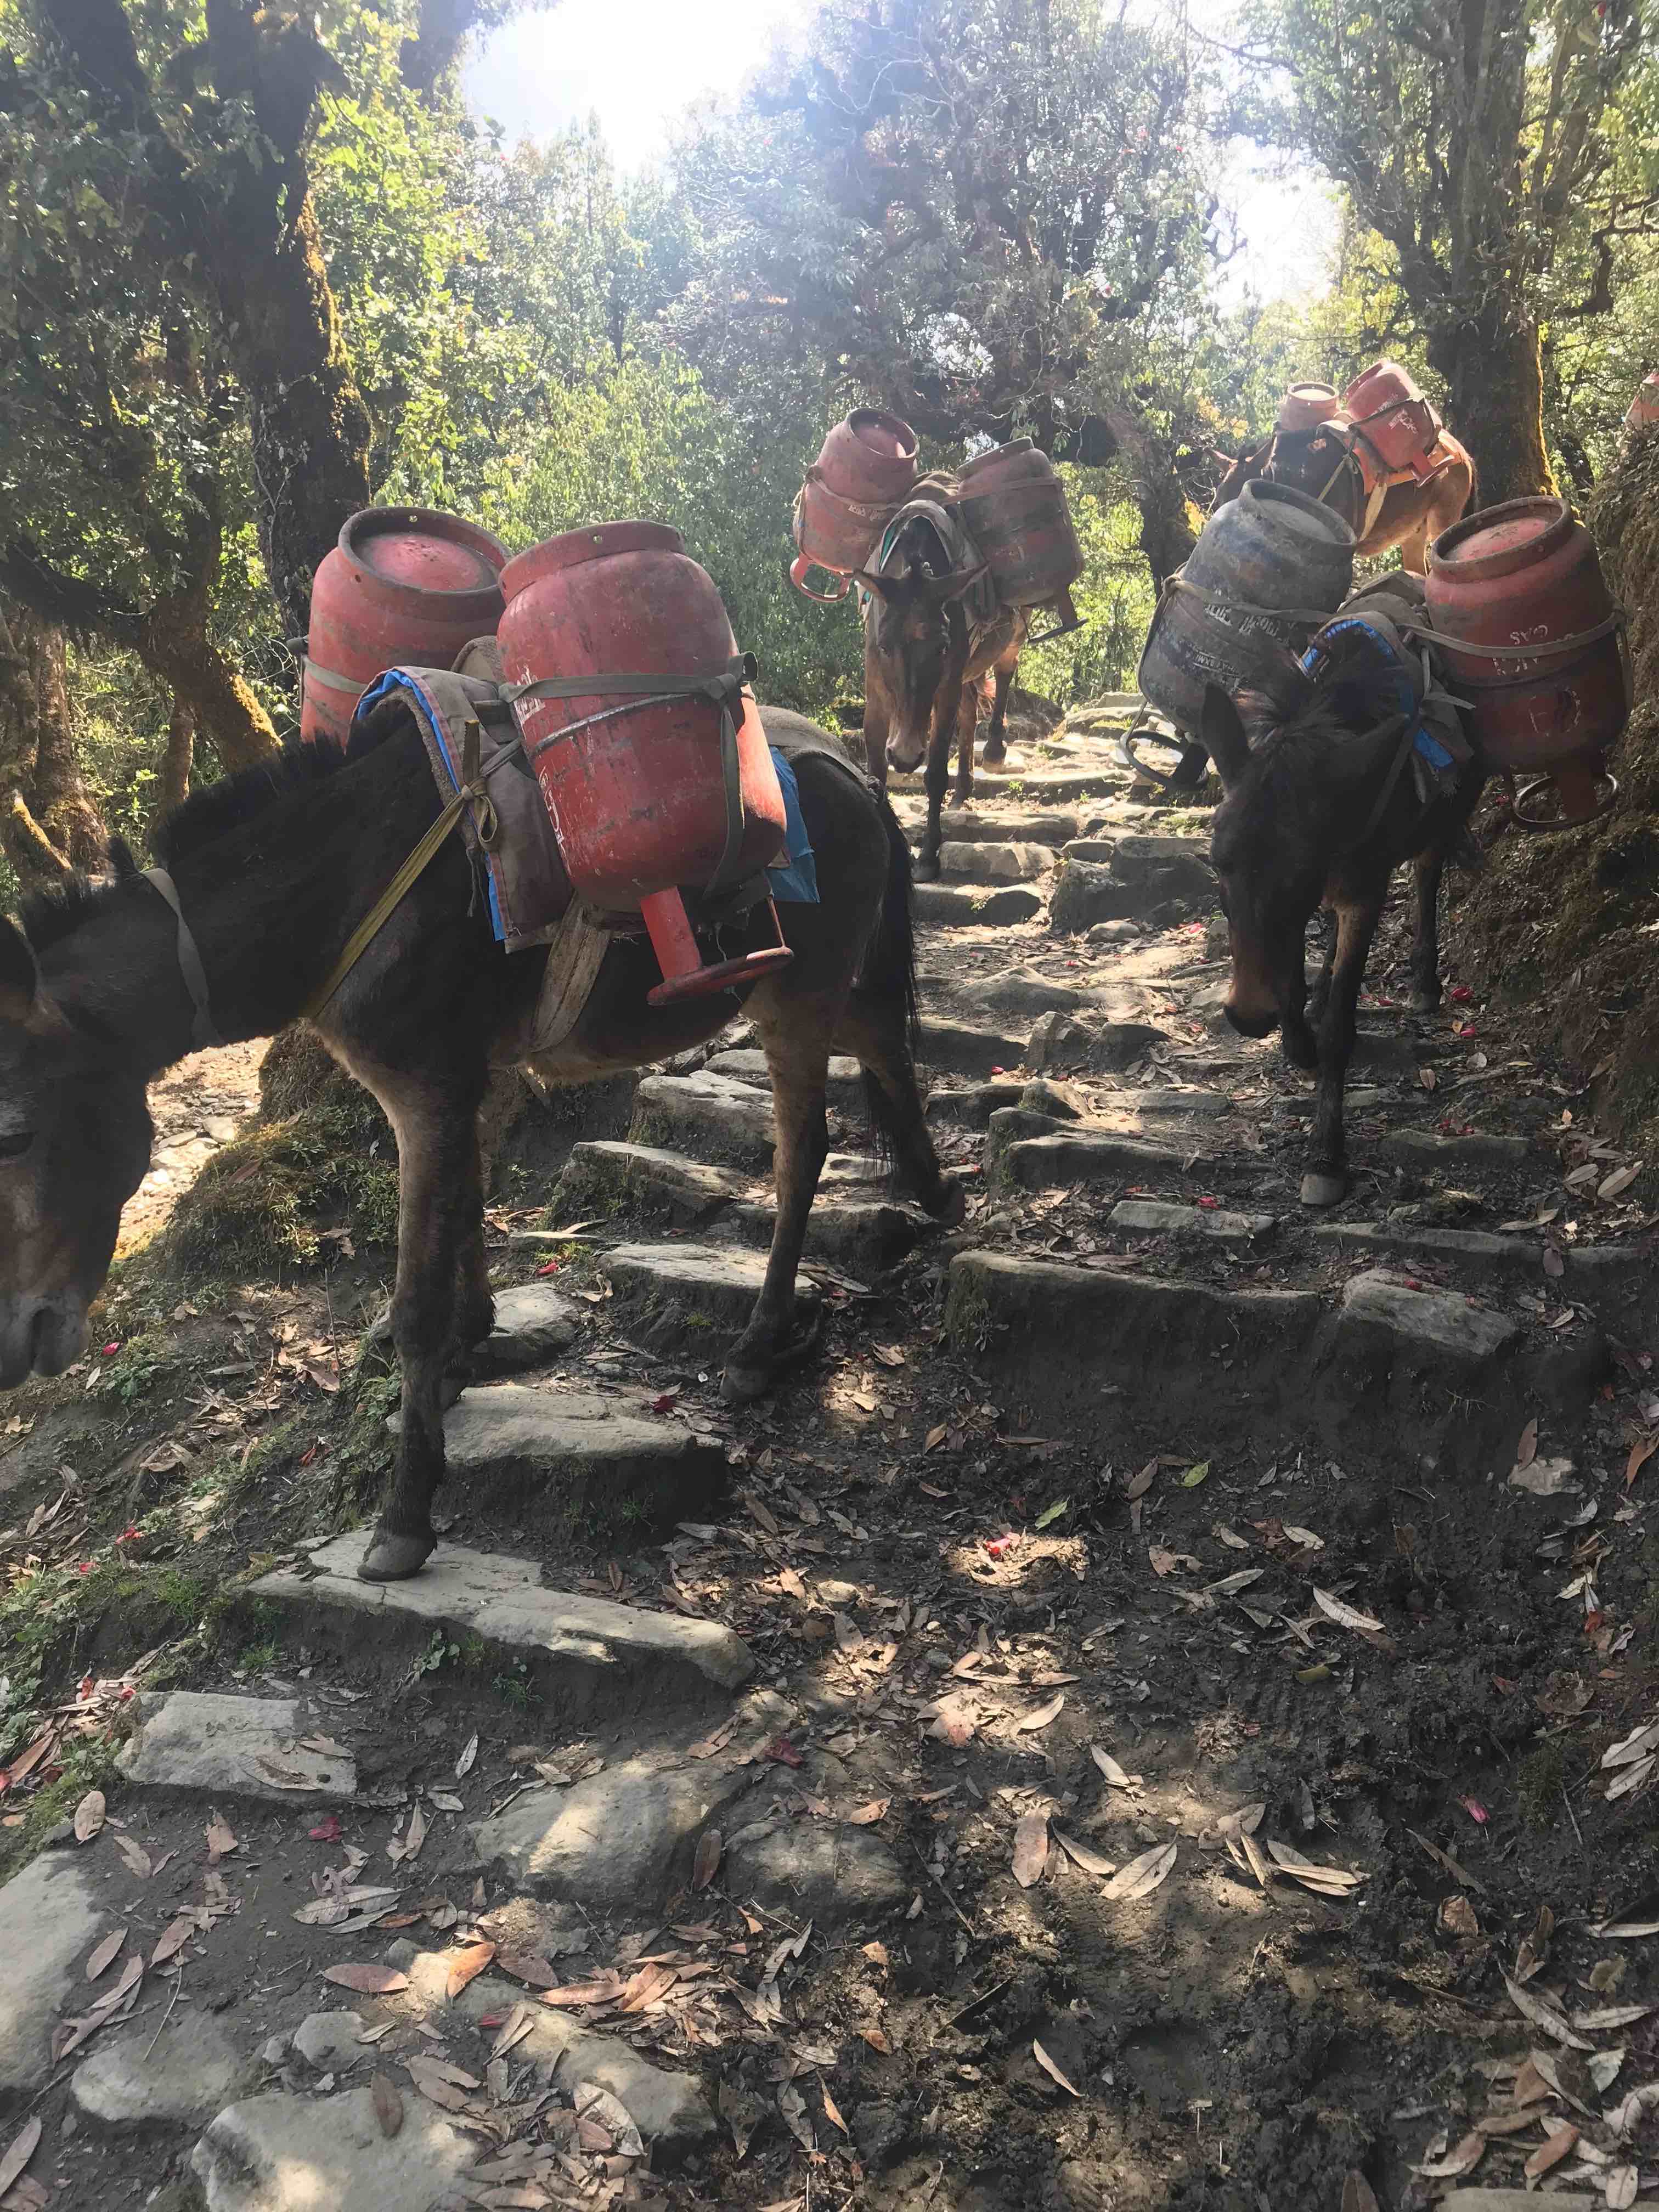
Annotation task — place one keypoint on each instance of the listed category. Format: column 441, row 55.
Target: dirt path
column 196, row 1107
column 1157, row 1715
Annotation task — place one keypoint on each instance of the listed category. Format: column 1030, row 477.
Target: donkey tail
column 887, row 980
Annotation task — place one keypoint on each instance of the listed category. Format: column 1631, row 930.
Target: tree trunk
column 175, row 645
column 1495, row 399
column 1167, row 535
column 61, row 802
column 176, row 762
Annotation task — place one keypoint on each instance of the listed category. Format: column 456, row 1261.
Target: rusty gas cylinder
column 1306, row 407
column 404, row 587
column 1013, row 504
column 1391, row 415
column 1552, row 691
column 1642, row 413
column 649, row 794
column 865, row 470
column 1270, row 567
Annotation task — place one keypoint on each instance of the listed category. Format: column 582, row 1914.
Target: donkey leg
column 1325, row 1179
column 967, row 723
column 996, row 742
column 1320, row 996
column 935, row 774
column 876, row 724
column 1425, row 947
column 875, row 1035
column 796, row 1037
column 439, row 1206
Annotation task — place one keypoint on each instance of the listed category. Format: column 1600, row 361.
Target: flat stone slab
column 332, row 2041
column 1152, row 1217
column 533, row 1324
column 994, row 864
column 622, row 1837
column 1424, row 1148
column 609, row 1172
column 961, row 825
column 234, row 1747
column 709, row 1112
column 678, row 1297
column 1069, row 1329
column 862, row 1235
column 1089, row 1157
column 52, row 1914
column 961, row 906
column 1059, row 1040
column 1058, row 788
column 966, row 1050
column 1022, row 994
column 500, row 1599
column 1483, row 1250
column 973, row 1105
column 669, row 2109
column 1518, row 2200
column 1442, row 1322
column 287, row 2153
column 1192, row 1105
column 1104, row 934
column 180, row 2077
column 822, row 1870
column 844, row 1089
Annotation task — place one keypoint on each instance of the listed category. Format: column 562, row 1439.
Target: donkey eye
column 15, row 1144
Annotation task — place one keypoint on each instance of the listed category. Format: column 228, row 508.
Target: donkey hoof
column 1324, row 1186
column 993, row 757
column 392, row 1558
column 1425, row 1002
column 951, row 1206
column 926, row 870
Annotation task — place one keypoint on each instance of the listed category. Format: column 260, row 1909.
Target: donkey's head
column 915, row 653
column 1235, row 474
column 75, row 1138
column 1270, row 846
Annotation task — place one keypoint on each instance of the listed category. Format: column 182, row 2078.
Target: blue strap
column 793, row 881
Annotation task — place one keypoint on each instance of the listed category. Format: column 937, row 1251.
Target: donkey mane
column 214, row 811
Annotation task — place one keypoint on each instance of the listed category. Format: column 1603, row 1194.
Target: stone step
column 1067, row 1332
column 692, row 1299
column 1587, row 1266
column 971, row 1105
column 534, row 1323
column 1426, row 1149
column 562, row 1459
column 1045, row 1159
column 1086, row 1040
column 1152, row 1217
column 1020, row 995
column 844, row 1089
column 994, row 864
column 966, row 1050
column 962, row 825
column 1056, row 787
column 961, row 906
column 283, row 2153
column 866, row 1235
column 582, row 1655
column 1443, row 1325
column 52, row 1914
column 226, row 1746
column 704, row 1113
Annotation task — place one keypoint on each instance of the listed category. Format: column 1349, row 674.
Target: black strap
column 720, row 689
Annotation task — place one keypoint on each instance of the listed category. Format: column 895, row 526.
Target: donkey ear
column 1221, row 731
column 1222, row 461
column 879, row 587
column 19, row 978
column 942, row 590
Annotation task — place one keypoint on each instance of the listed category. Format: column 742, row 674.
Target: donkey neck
column 271, row 905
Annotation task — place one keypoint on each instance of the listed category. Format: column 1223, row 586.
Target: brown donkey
column 1318, row 814
column 272, row 871
column 1412, row 515
column 926, row 661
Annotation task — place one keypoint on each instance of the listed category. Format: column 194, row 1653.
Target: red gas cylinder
column 1306, row 407
column 404, row 586
column 864, row 469
column 1014, row 505
column 1552, row 690
column 1390, row 413
column 1644, row 410
column 646, row 792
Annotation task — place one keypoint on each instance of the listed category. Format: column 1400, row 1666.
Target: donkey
column 103, row 986
column 1313, row 815
column 925, row 663
column 1411, row 517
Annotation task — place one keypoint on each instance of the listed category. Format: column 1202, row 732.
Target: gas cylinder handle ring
column 1541, row 826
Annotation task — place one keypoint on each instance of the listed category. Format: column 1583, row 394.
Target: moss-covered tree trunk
column 1495, row 399
column 49, row 822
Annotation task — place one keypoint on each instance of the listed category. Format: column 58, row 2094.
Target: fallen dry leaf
column 1345, row 1615
column 368, row 1979
column 1142, row 1875
column 1357, row 2194
column 134, row 1855
column 469, row 1753
column 1462, row 2158
column 1620, row 2187
column 220, row 1842
column 1527, row 1450
column 1030, row 1848
column 1457, row 1917
column 865, row 1816
column 1052, row 2070
column 1552, row 2152
column 1545, row 2016
column 19, row 2152
column 707, row 1862
column 1091, row 1861
column 388, row 2104
column 466, row 1964
column 877, row 2039
column 174, row 1939
column 1041, row 1718
column 88, row 1816
column 832, row 2113
column 105, row 1953
column 1109, row 1766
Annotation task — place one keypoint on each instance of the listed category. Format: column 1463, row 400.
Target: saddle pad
column 794, row 880
column 958, row 550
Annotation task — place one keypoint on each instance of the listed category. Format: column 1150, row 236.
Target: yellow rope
column 383, row 909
